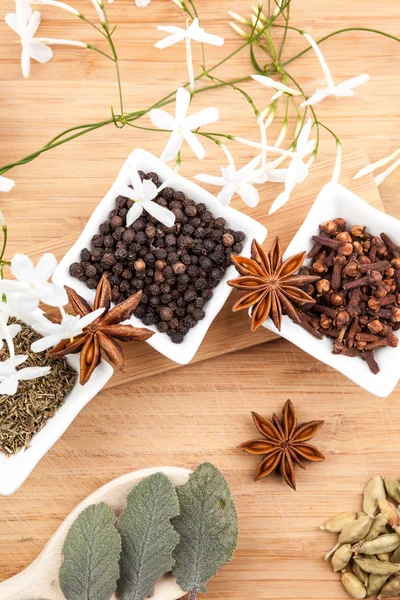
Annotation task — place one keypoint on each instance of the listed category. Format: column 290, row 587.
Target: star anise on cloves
column 284, row 444
column 99, row 338
column 270, row 285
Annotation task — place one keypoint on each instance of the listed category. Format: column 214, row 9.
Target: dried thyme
column 25, row 413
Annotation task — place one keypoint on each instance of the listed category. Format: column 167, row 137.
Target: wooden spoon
column 39, row 581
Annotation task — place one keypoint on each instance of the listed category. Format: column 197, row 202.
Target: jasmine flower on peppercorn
column 298, row 170
column 143, row 193
column 340, row 90
column 32, row 282
column 192, row 32
column 182, row 126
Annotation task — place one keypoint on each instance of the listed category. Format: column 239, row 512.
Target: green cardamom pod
column 353, row 585
column 351, row 533
column 359, row 573
column 375, row 584
column 377, row 527
column 374, row 491
column 336, row 523
column 341, row 557
column 377, row 567
column 395, row 558
column 385, row 557
column 390, row 511
column 391, row 589
column 393, row 489
column 383, row 543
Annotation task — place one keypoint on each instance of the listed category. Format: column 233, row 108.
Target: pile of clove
column 357, row 299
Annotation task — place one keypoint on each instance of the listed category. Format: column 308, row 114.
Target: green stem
column 100, row 52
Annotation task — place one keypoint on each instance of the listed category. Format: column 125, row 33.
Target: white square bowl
column 15, row 469
column 144, row 161
column 336, row 201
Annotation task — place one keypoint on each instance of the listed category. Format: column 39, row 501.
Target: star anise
column 270, row 285
column 99, row 338
column 284, row 444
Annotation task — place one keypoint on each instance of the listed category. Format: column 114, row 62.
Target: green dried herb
column 91, row 554
column 37, row 400
column 208, row 529
column 148, row 538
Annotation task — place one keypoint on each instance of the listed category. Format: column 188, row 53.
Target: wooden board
column 231, row 332
column 202, row 411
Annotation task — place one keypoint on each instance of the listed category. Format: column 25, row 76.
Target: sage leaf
column 148, row 538
column 91, row 552
column 208, row 529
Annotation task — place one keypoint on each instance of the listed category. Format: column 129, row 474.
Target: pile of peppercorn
column 176, row 267
column 358, row 295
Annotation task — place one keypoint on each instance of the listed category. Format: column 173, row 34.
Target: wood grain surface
column 201, row 411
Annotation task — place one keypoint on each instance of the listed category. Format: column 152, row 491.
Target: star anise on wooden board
column 270, row 285
column 99, row 338
column 284, row 444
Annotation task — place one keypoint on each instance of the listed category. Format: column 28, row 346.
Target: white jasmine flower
column 32, row 282
column 141, row 3
column 382, row 176
column 57, row 4
column 182, row 126
column 377, row 165
column 6, row 184
column 8, row 330
column 98, row 5
column 9, row 376
column 193, row 32
column 297, row 171
column 340, row 90
column 276, row 85
column 32, row 47
column 70, row 327
column 143, row 193
column 338, row 163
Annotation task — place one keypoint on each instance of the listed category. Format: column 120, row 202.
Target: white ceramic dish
column 142, row 160
column 14, row 470
column 336, row 201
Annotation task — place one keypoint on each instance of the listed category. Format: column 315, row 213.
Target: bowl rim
column 383, row 384
column 144, row 160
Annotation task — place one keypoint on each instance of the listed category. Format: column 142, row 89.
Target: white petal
column 297, row 173
column 20, row 359
column 52, row 294
column 207, row 38
column 211, row 179
column 380, row 163
column 379, row 179
column 173, row 146
column 22, row 268
column 32, row 373
column 9, row 386
column 170, row 40
column 127, row 192
column 33, row 24
column 161, row 119
column 28, row 302
column 165, row 216
column 321, row 59
column 13, row 329
column 249, row 194
column 182, row 104
column 88, row 319
column 142, row 3
column 150, row 190
column 45, row 343
column 24, row 11
column 245, row 172
column 204, row 117
column 134, row 213
column 304, row 136
column 40, row 52
column 317, row 97
column 172, row 29
column 25, row 62
column 6, row 184
column 12, row 21
column 276, row 85
column 195, row 144
column 45, row 267
column 352, row 83
column 225, row 195
column 279, row 202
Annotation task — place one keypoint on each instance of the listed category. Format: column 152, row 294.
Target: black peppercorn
column 162, row 326
column 177, row 337
column 76, row 270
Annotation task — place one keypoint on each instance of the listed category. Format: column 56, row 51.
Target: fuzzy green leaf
column 148, row 538
column 91, row 555
column 208, row 528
